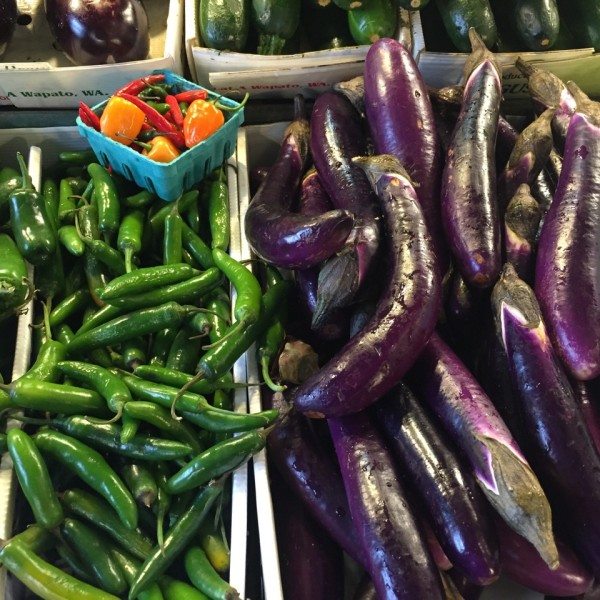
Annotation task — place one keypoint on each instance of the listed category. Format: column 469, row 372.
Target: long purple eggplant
column 588, row 400
column 336, row 137
column 313, row 476
column 561, row 448
column 312, row 566
column 469, row 206
column 523, row 564
column 528, row 157
column 276, row 234
column 402, row 123
column 95, row 33
column 454, row 505
column 8, row 22
column 375, row 359
column 473, row 423
column 397, row 557
column 567, row 280
column 548, row 91
column 521, row 224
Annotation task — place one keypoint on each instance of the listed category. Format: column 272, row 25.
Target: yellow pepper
column 160, row 149
column 121, row 120
column 201, row 120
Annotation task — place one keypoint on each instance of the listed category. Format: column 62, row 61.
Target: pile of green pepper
column 129, row 433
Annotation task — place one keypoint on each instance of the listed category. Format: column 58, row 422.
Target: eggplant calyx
column 376, row 167
column 353, row 90
column 536, row 139
column 589, row 108
column 523, row 214
column 545, row 87
column 450, row 94
column 479, row 55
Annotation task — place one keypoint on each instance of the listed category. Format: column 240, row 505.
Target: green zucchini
column 350, row 4
column 583, row 20
column 276, row 22
column 534, row 24
column 326, row 26
column 565, row 39
column 412, row 4
column 222, row 24
column 460, row 15
column 434, row 31
column 374, row 20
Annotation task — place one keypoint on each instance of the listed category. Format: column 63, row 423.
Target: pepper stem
column 235, row 328
column 46, row 311
column 128, row 254
column 186, row 386
column 264, row 363
column 27, row 182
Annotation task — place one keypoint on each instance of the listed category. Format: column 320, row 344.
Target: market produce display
column 458, row 373
column 512, row 25
column 287, row 26
column 124, row 455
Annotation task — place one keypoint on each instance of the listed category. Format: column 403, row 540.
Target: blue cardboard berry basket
column 169, row 180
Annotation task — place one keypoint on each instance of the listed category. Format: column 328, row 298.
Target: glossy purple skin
column 455, row 507
column 312, row 566
column 589, row 404
column 276, row 234
column 467, row 589
column 398, row 559
column 440, row 379
column 568, row 262
column 561, row 448
column 315, row 478
column 469, row 204
column 375, row 359
column 101, row 31
column 521, row 562
column 402, row 123
column 336, row 137
column 8, row 22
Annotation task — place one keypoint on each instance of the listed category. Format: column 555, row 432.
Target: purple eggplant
column 473, row 423
column 397, row 556
column 567, row 274
column 469, row 206
column 313, row 476
column 456, row 510
column 548, row 91
column 402, row 123
column 588, row 401
column 521, row 224
column 375, row 359
column 312, row 566
column 467, row 589
column 354, row 90
column 522, row 563
column 560, row 446
column 505, row 142
column 257, row 176
column 101, row 31
column 279, row 236
column 8, row 22
column 336, row 138
column 528, row 157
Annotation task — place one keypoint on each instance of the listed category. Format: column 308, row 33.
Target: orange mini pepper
column 201, row 120
column 160, row 149
column 121, row 120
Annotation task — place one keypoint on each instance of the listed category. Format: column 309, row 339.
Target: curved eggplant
column 99, row 32
column 475, row 426
column 285, row 239
column 567, row 281
column 313, row 476
column 456, row 510
column 521, row 224
column 375, row 359
column 561, row 447
column 522, row 563
column 336, row 136
column 397, row 556
column 8, row 22
column 589, row 403
column 402, row 123
column 469, row 206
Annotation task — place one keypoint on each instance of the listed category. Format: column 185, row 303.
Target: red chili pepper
column 88, row 116
column 146, row 127
column 191, row 95
column 137, row 85
column 175, row 111
column 156, row 120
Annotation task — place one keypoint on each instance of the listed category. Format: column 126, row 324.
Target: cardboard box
column 57, row 83
column 445, row 68
column 234, row 73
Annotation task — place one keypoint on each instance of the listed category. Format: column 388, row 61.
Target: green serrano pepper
column 36, row 538
column 45, row 367
column 134, row 324
column 106, row 255
column 129, row 239
column 34, row 479
column 141, row 483
column 99, row 317
column 172, row 241
column 10, row 180
column 194, row 244
column 96, row 511
column 66, row 202
column 91, row 467
column 50, row 195
column 219, row 316
column 218, row 213
column 15, row 288
column 217, row 460
column 140, row 200
column 71, row 305
column 185, row 351
column 157, row 221
column 134, row 353
column 105, row 193
column 205, row 578
column 161, row 346
column 179, row 590
column 177, row 379
column 69, row 238
column 177, row 538
column 95, row 554
column 77, row 157
column 73, row 562
column 130, row 568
